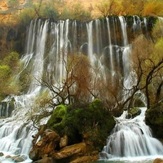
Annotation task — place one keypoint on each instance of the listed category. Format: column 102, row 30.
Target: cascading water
column 131, row 139
column 105, row 43
column 16, row 131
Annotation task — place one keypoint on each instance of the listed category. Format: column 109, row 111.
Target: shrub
column 9, row 66
column 49, row 11
column 90, row 122
column 26, row 16
column 77, row 12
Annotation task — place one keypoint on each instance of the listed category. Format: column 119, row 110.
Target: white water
column 132, row 139
column 16, row 131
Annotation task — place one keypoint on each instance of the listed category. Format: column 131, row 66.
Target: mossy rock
column 154, row 118
column 133, row 112
column 57, row 117
column 91, row 123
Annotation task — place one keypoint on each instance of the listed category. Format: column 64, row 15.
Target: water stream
column 131, row 140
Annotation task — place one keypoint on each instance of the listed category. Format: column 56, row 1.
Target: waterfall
column 131, row 138
column 37, row 70
column 49, row 43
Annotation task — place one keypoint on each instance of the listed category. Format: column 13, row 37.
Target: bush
column 77, row 12
column 26, row 16
column 91, row 123
column 9, row 66
column 49, row 11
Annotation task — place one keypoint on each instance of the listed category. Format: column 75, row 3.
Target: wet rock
column 70, row 151
column 133, row 112
column 63, row 141
column 45, row 159
column 154, row 119
column 18, row 159
column 45, row 145
column 1, row 154
column 158, row 160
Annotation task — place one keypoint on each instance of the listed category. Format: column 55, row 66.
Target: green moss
column 91, row 123
column 133, row 112
column 57, row 117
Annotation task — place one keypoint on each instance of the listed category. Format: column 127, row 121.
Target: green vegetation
column 8, row 67
column 90, row 123
column 26, row 16
column 54, row 10
column 133, row 112
column 77, row 12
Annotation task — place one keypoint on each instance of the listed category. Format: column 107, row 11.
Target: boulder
column 47, row 144
column 63, row 141
column 133, row 112
column 70, row 151
column 1, row 154
column 158, row 160
column 18, row 159
column 86, row 159
column 45, row 159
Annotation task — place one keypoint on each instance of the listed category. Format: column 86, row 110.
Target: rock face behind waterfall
column 73, row 135
column 154, row 118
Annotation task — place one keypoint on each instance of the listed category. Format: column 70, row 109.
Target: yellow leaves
column 158, row 50
column 130, row 7
column 157, row 31
column 109, row 7
column 75, row 11
column 153, row 8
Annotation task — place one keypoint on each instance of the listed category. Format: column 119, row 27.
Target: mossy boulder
column 133, row 112
column 154, row 118
column 90, row 123
column 57, row 118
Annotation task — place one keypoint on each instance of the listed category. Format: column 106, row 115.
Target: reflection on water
column 143, row 159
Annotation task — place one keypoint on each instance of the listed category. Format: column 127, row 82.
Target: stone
column 158, row 160
column 1, row 154
column 154, row 119
column 133, row 112
column 47, row 144
column 63, row 141
column 18, row 159
column 45, row 159
column 85, row 159
column 70, row 151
